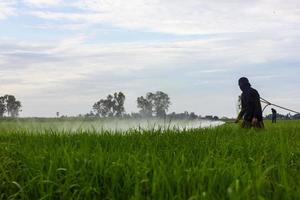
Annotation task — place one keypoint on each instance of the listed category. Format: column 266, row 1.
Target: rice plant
column 42, row 161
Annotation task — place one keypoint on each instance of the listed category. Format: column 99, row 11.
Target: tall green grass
column 220, row 163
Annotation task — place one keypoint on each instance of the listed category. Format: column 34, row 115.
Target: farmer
column 274, row 115
column 251, row 111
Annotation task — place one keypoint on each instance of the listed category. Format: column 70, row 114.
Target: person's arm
column 240, row 116
column 242, row 112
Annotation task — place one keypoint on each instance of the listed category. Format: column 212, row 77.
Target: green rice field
column 38, row 160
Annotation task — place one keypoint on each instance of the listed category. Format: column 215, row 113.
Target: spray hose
column 271, row 104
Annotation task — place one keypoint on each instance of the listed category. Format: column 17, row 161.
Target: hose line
column 271, row 104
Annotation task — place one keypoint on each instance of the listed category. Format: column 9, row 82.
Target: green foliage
column 113, row 105
column 9, row 104
column 220, row 163
column 145, row 105
column 158, row 103
column 3, row 108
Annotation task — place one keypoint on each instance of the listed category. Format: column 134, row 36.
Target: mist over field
column 108, row 125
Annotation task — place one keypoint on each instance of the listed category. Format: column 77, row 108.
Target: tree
column 110, row 103
column 216, row 118
column 118, row 104
column 91, row 114
column 9, row 104
column 161, row 103
column 113, row 105
column 193, row 115
column 2, row 106
column 146, row 104
column 101, row 108
column 296, row 116
column 157, row 103
column 15, row 109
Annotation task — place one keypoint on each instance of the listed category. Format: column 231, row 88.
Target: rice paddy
column 48, row 160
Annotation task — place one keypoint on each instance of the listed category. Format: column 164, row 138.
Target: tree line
column 153, row 104
column 10, row 106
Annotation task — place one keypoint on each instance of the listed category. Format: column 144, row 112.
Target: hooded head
column 244, row 83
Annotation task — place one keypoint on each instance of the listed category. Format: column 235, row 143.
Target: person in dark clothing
column 274, row 115
column 251, row 111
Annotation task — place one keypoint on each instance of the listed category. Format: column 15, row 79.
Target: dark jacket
column 251, row 106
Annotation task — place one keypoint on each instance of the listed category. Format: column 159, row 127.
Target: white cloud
column 41, row 3
column 7, row 8
column 73, row 58
column 39, row 67
column 76, row 68
column 186, row 17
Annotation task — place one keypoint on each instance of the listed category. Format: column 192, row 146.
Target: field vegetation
column 226, row 162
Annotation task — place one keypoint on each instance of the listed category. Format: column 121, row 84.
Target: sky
column 64, row 55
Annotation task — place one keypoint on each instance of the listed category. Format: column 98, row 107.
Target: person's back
column 251, row 110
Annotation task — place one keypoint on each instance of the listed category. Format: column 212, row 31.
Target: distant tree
column 91, row 114
column 193, row 115
column 158, row 103
column 101, row 108
column 109, row 103
column 210, row 117
column 216, row 118
column 9, row 104
column 172, row 115
column 186, row 114
column 126, row 115
column 118, row 104
column 136, row 115
column 16, row 109
column 113, row 105
column 2, row 106
column 296, row 116
column 161, row 103
column 146, row 104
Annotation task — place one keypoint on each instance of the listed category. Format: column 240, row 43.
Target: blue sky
column 64, row 55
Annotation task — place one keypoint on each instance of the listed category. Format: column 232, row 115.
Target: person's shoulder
column 254, row 91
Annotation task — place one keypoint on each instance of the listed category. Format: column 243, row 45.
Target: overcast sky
column 64, row 55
